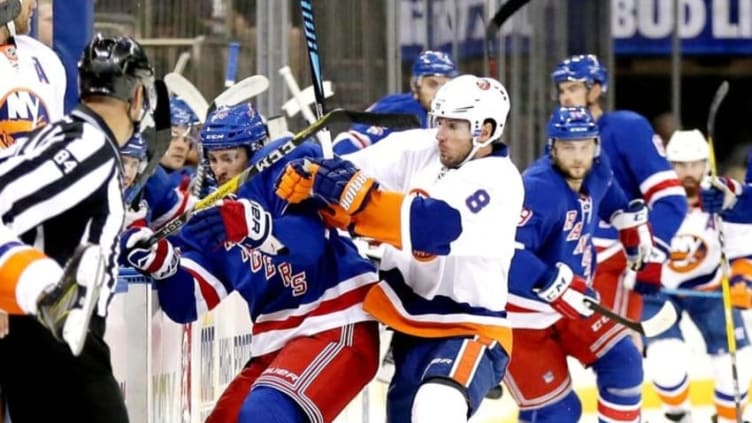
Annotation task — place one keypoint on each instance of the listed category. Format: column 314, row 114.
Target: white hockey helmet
column 474, row 99
column 687, row 146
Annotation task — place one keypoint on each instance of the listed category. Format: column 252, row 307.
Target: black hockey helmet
column 113, row 66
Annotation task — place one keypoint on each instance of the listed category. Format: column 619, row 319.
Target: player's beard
column 572, row 173
column 691, row 186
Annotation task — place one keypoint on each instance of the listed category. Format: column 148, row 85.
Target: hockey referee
column 60, row 190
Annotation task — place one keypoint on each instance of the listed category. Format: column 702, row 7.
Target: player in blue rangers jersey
column 640, row 167
column 446, row 204
column 159, row 201
column 567, row 192
column 184, row 126
column 695, row 263
column 314, row 348
column 431, row 70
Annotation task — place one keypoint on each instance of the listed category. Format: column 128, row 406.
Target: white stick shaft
column 324, row 136
column 292, row 85
column 181, row 62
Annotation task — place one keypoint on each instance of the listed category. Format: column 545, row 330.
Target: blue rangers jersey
column 557, row 225
column 180, row 178
column 318, row 286
column 640, row 167
column 163, row 201
column 361, row 136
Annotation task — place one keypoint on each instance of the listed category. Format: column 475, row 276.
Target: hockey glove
column 648, row 279
column 160, row 260
column 336, row 181
column 719, row 194
column 566, row 292
column 136, row 218
column 741, row 283
column 634, row 233
column 233, row 221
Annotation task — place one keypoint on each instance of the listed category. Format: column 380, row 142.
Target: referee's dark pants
column 42, row 381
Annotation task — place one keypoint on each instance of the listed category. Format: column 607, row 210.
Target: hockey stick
column 653, row 326
column 188, row 92
column 158, row 140
column 394, row 120
column 291, row 106
column 181, row 62
column 314, row 59
column 502, row 15
column 236, row 94
column 240, row 92
column 232, row 64
column 297, row 96
column 720, row 95
column 691, row 293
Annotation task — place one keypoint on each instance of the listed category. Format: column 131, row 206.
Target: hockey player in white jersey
column 695, row 264
column 446, row 200
column 32, row 87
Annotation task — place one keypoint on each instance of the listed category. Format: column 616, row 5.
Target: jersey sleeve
column 537, row 221
column 388, row 161
column 481, row 212
column 360, row 136
column 199, row 284
column 658, row 183
column 20, row 262
column 165, row 201
column 613, row 200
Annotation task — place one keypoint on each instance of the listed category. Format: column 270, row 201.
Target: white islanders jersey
column 32, row 88
column 463, row 292
column 696, row 252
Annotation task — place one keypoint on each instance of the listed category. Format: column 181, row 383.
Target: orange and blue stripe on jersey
column 393, row 304
column 15, row 258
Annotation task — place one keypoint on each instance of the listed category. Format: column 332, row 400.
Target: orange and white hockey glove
column 336, row 181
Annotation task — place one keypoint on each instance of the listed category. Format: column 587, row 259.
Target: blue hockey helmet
column 135, row 147
column 582, row 67
column 234, row 126
column 181, row 114
column 572, row 123
column 433, row 63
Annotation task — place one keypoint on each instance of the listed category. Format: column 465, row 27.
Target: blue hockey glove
column 160, row 260
column 719, row 194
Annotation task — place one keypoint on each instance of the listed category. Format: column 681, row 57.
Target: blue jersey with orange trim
column 318, row 286
column 361, row 136
column 462, row 289
column 640, row 167
column 557, row 225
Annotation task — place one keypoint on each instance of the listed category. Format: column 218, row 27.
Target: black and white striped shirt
column 62, row 187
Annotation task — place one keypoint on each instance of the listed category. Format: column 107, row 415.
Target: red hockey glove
column 566, row 292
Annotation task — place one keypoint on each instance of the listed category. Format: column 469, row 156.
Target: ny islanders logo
column 687, row 253
column 21, row 111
